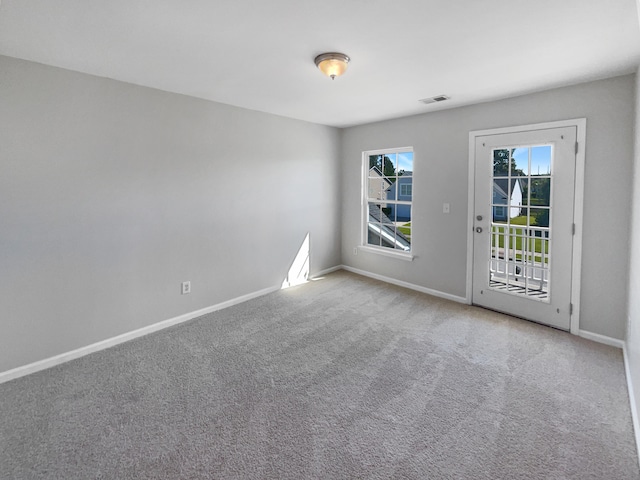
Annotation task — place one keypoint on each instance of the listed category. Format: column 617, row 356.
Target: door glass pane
column 541, row 192
column 501, row 160
column 520, row 162
column 499, row 214
column 523, row 183
column 539, row 217
column 541, row 160
column 520, row 233
column 516, row 196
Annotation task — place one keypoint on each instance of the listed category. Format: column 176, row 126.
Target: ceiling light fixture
column 332, row 64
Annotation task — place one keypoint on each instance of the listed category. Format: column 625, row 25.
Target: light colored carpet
column 344, row 377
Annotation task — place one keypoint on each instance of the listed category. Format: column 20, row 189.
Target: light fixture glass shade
column 332, row 64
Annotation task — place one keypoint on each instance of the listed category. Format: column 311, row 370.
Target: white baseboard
column 125, row 337
column 596, row 337
column 614, row 342
column 326, row 271
column 632, row 400
column 400, row 283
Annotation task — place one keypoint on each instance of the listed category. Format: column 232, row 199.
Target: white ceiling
column 258, row 54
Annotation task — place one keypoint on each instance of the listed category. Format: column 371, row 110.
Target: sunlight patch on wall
column 299, row 271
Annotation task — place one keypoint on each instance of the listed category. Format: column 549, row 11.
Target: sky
column 540, row 159
column 405, row 161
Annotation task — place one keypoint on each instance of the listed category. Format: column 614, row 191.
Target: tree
column 502, row 158
column 541, row 218
column 540, row 191
column 384, row 164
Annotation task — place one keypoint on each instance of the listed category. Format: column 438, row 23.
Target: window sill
column 408, row 257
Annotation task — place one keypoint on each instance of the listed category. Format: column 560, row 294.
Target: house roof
column 259, row 55
column 381, row 176
column 501, row 185
column 376, row 170
column 385, row 227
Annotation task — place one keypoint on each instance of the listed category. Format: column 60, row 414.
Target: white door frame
column 576, row 264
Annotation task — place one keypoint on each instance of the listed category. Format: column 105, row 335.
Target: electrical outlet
column 186, row 288
column 355, row 250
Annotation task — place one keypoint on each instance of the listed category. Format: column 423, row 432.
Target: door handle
column 478, row 229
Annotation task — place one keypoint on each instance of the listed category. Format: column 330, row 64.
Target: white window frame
column 364, row 217
column 406, row 187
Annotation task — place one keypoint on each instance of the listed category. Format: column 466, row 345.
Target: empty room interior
column 244, row 239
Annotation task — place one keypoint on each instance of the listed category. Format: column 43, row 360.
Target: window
column 388, row 189
column 405, row 189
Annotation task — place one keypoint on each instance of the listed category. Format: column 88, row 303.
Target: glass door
column 524, row 189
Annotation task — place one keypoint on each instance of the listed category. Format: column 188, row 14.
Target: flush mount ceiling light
column 332, row 64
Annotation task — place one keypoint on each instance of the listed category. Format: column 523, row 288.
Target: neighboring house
column 383, row 232
column 512, row 206
column 378, row 184
column 405, row 192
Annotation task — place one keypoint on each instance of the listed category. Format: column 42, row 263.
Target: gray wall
column 113, row 194
column 440, row 142
column 633, row 329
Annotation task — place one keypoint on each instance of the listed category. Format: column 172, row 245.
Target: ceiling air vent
column 437, row 98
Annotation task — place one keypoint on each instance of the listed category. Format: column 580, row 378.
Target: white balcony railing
column 520, row 258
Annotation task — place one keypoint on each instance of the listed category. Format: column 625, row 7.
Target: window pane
column 500, row 191
column 520, row 162
column 405, row 185
column 389, row 180
column 378, row 186
column 388, row 237
column 539, row 217
column 374, row 212
column 375, row 161
column 405, row 163
column 501, row 159
column 384, row 164
column 403, row 213
column 391, row 189
column 523, row 184
column 540, row 192
column 402, row 243
column 403, row 227
column 373, row 237
column 499, row 214
column 517, row 186
column 388, row 215
column 391, row 164
column 541, row 160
